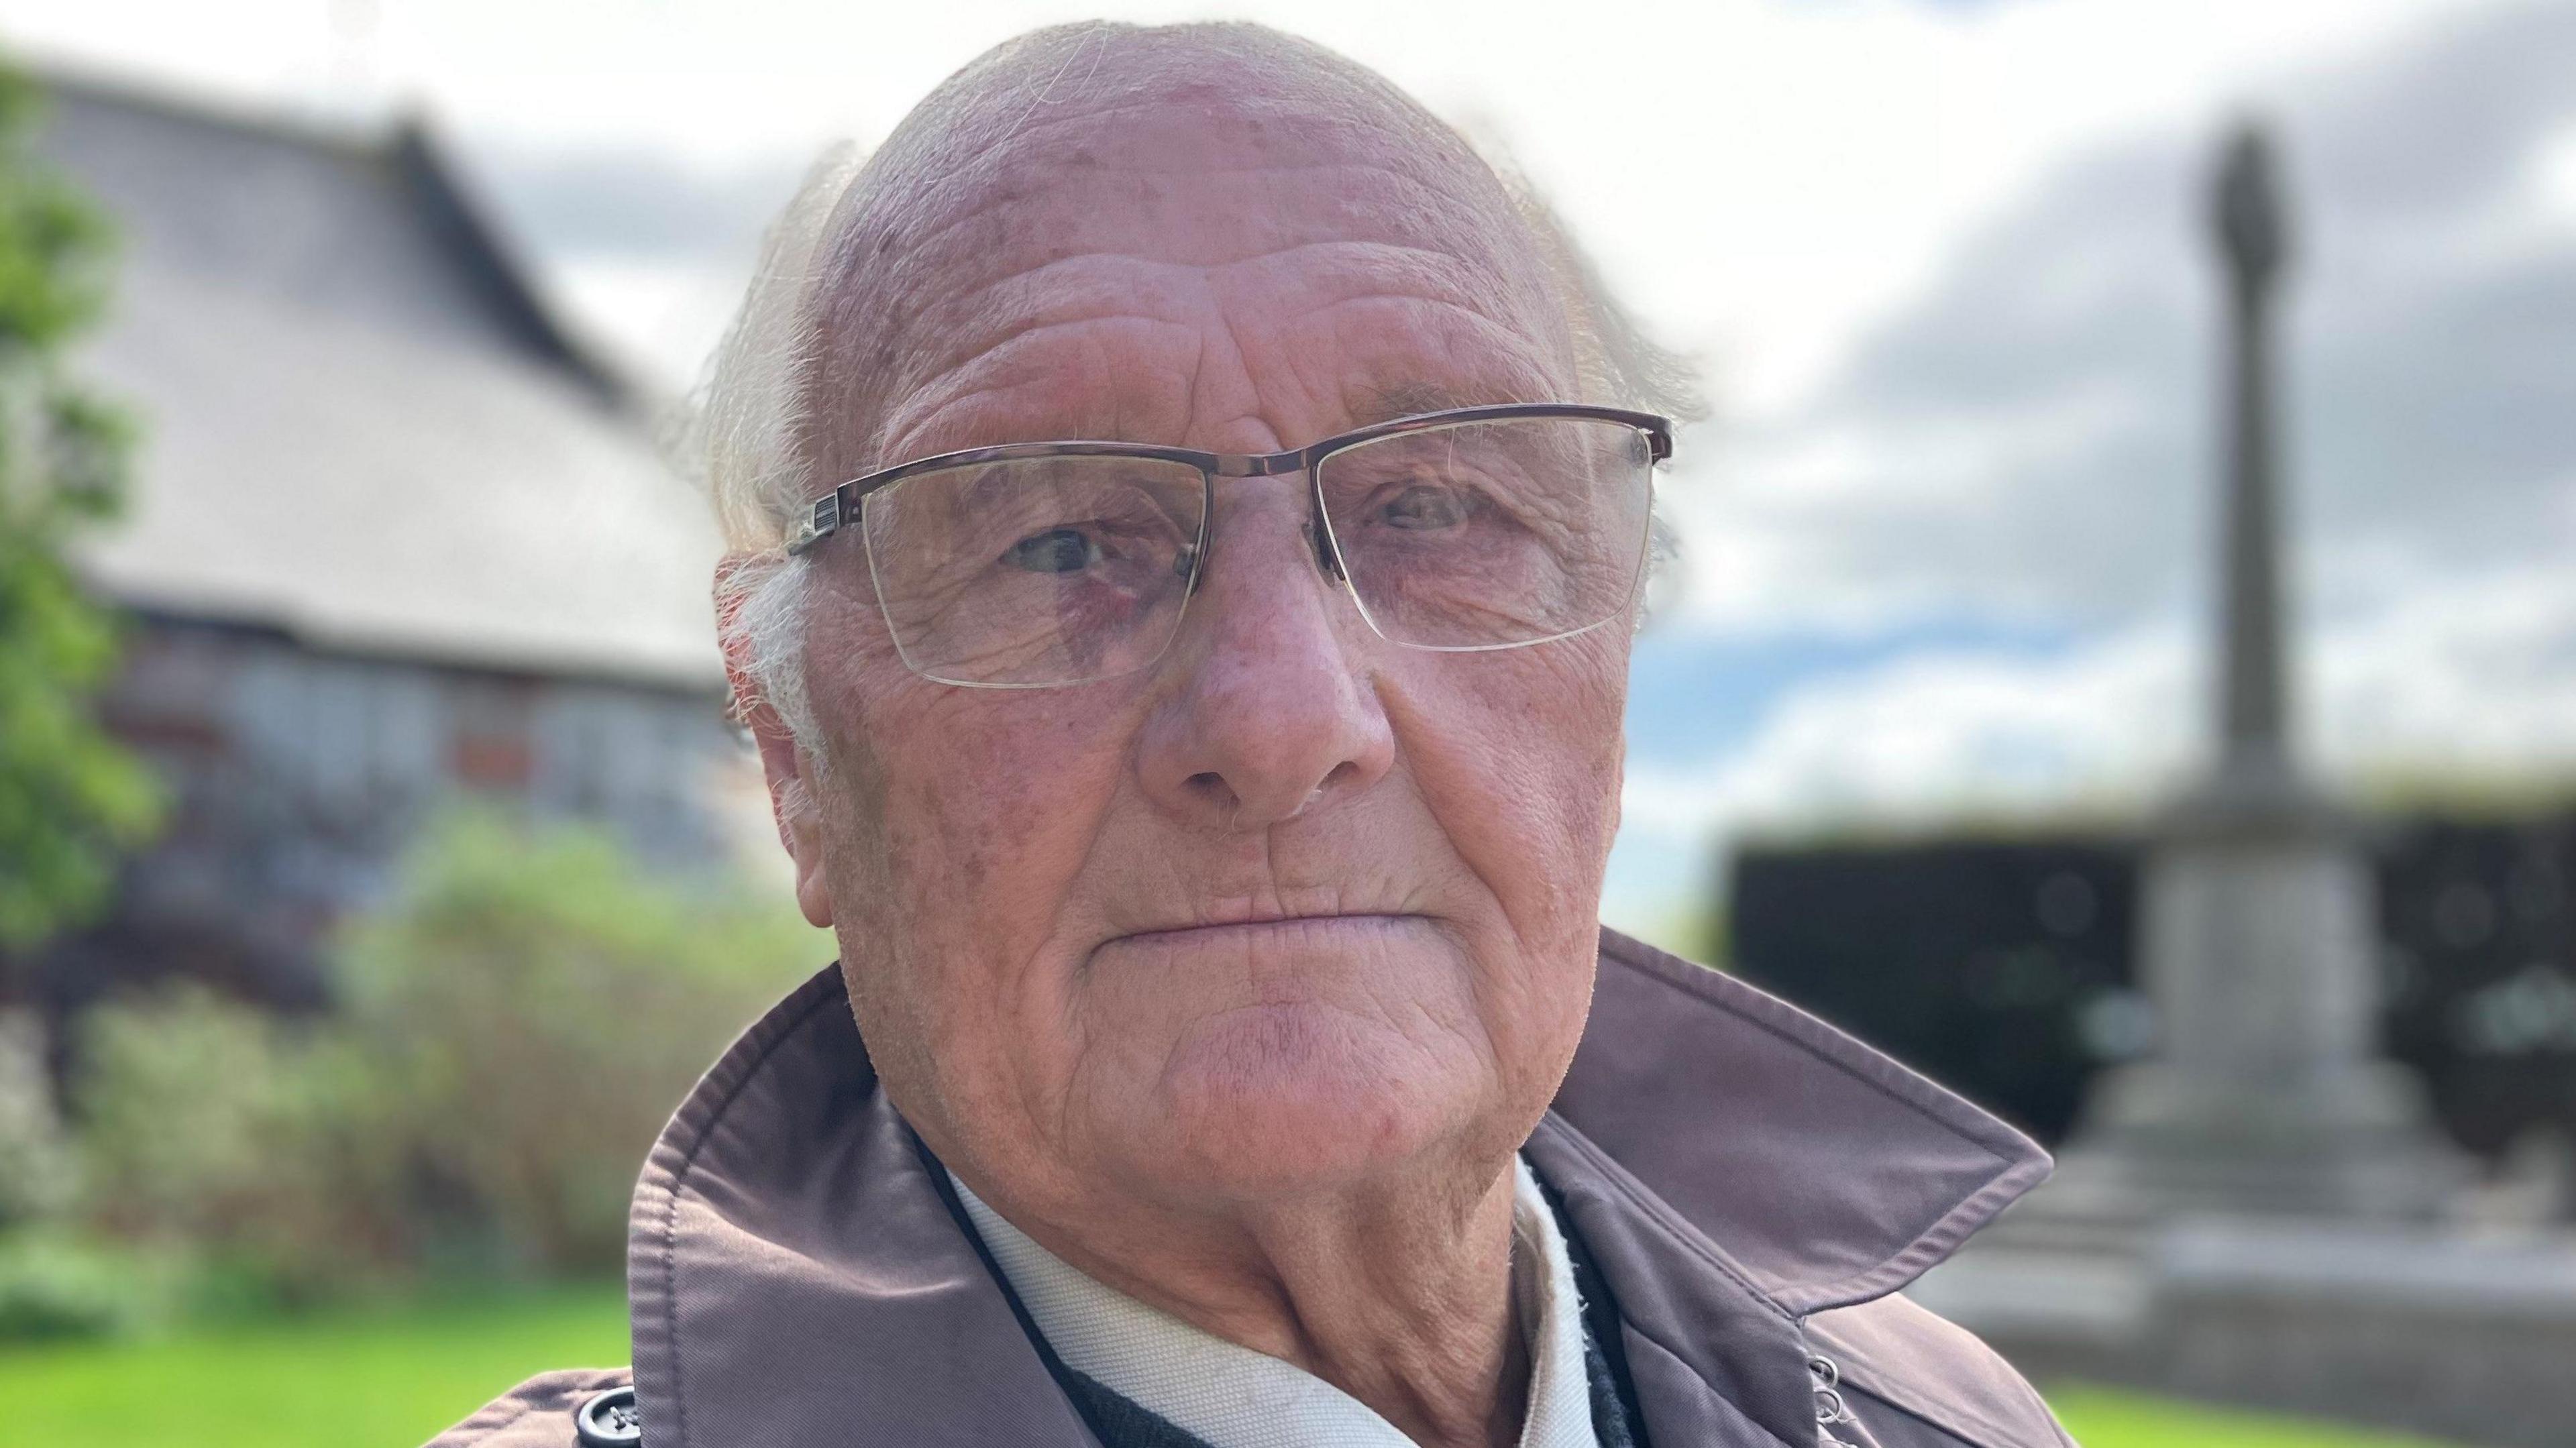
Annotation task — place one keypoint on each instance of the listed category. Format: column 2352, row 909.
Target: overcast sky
column 1944, row 262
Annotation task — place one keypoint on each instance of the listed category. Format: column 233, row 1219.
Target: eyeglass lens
column 1479, row 535
column 1062, row 570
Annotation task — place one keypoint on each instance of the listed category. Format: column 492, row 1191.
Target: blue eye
column 1424, row 507
column 1058, row 550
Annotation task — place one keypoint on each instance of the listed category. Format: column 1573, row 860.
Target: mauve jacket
column 1753, row 1186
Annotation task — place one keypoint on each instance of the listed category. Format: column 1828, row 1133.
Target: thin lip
column 1256, row 922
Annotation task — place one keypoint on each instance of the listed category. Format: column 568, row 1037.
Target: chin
column 1279, row 1100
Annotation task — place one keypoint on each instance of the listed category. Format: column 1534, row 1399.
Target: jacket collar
column 1825, row 1171
column 786, row 1233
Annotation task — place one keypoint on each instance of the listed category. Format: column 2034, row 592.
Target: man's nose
column 1272, row 711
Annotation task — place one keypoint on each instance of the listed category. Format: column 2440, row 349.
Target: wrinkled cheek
column 952, row 812
column 973, row 818
column 961, row 833
column 1595, row 739
column 1558, row 717
column 1521, row 766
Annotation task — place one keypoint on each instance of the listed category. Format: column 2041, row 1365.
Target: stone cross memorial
column 2256, row 1210
column 2266, row 1092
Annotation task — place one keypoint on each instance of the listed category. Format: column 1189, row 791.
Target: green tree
column 71, row 800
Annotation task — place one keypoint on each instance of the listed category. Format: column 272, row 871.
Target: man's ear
column 792, row 800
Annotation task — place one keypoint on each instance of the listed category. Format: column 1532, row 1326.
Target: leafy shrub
column 537, row 1005
column 257, row 1141
column 55, row 1286
column 35, row 1159
column 511, row 1031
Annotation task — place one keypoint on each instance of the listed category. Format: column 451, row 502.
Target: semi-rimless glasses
column 1038, row 564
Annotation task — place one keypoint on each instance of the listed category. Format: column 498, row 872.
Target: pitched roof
column 361, row 423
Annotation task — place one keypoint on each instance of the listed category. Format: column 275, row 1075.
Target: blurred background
column 367, row 812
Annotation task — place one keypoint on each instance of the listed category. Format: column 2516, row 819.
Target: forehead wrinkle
column 1011, row 354
column 1319, row 155
column 922, row 287
column 1067, row 288
column 992, row 329
column 1504, row 367
column 912, row 429
column 1490, row 362
column 1450, row 347
column 1396, row 201
column 1099, row 285
column 956, row 175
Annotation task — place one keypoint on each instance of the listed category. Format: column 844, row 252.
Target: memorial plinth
column 2269, row 1096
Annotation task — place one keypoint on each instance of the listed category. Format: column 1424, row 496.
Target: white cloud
column 1940, row 733
column 2553, row 183
column 2033, row 435
column 2472, row 679
column 1763, row 177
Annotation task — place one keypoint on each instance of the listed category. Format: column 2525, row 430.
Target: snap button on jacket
column 1753, row 1187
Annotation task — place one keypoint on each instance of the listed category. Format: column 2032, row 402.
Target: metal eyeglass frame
column 843, row 505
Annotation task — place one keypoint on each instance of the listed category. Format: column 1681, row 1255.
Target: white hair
column 745, row 441
column 747, row 437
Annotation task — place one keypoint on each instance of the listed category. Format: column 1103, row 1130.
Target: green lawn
column 390, row 1377
column 2103, row 1418
column 375, row 1378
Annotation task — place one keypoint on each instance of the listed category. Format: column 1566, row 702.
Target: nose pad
column 1328, row 559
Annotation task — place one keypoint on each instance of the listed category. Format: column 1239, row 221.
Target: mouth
column 1258, row 924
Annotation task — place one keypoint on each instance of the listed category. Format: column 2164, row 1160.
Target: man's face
column 1297, row 907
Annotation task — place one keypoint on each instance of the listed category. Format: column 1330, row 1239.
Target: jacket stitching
column 704, row 1132
column 1935, row 1244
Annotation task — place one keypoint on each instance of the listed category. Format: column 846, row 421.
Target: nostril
column 1212, row 793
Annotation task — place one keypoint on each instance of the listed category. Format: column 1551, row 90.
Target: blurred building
column 394, row 534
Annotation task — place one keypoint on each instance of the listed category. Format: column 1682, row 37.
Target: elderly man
column 1189, row 524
